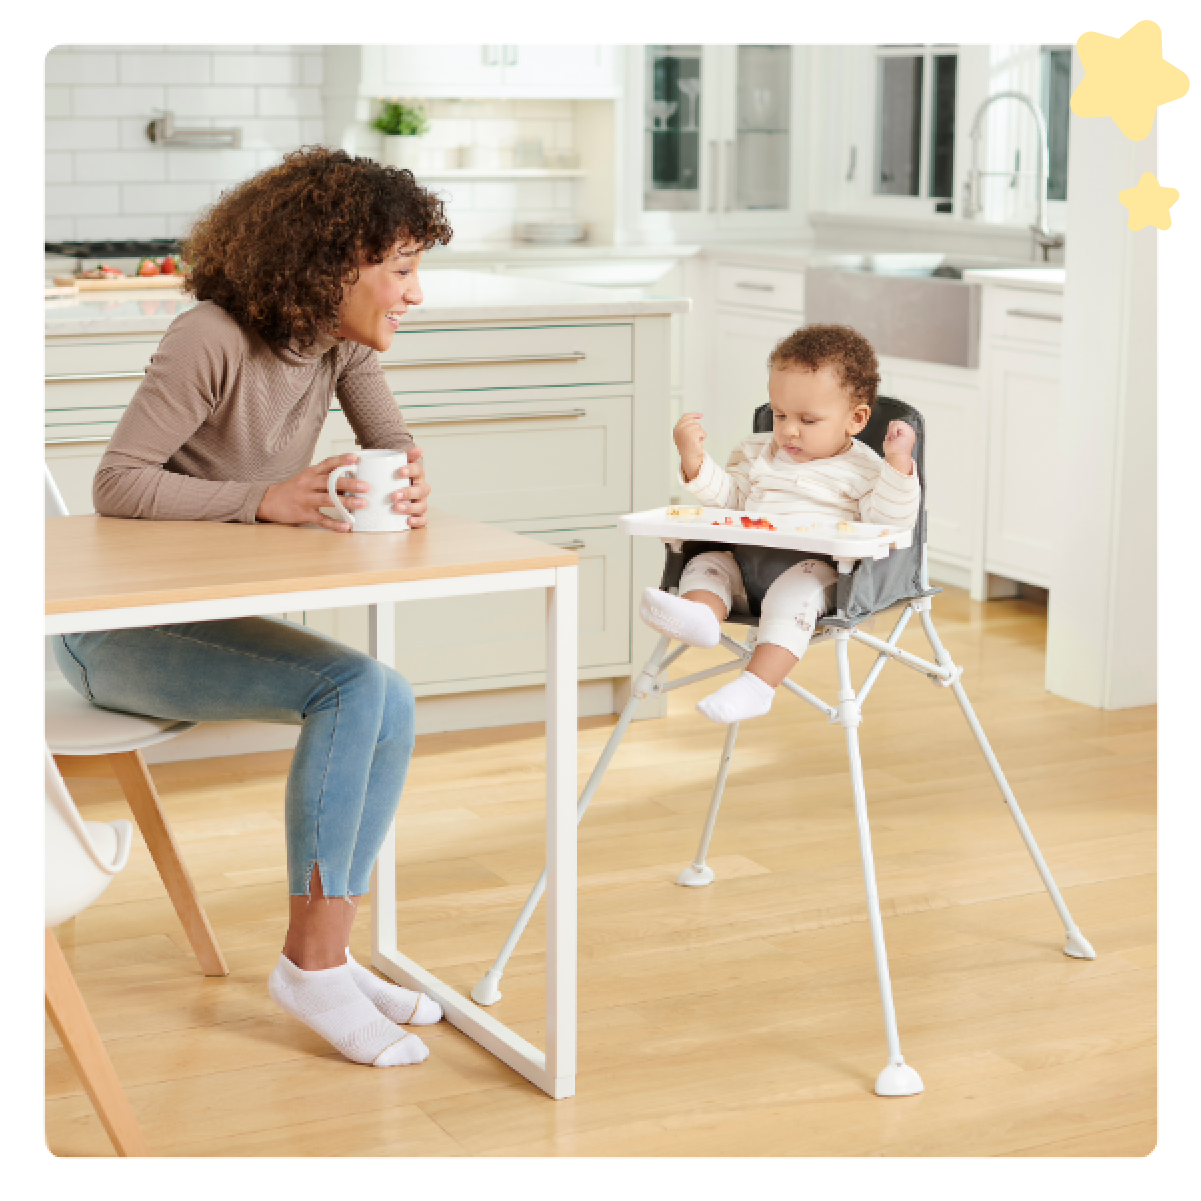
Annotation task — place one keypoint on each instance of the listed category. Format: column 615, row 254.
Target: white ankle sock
column 688, row 621
column 329, row 1002
column 746, row 696
column 402, row 1005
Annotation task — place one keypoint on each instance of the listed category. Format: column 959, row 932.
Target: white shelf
column 504, row 173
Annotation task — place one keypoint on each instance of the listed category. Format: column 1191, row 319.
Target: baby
column 822, row 385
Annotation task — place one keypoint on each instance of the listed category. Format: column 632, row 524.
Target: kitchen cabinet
column 713, row 136
column 503, row 72
column 1022, row 332
column 754, row 307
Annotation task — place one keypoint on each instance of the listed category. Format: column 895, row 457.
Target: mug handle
column 332, row 489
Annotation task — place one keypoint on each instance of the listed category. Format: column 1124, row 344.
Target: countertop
column 1030, row 279
column 450, row 296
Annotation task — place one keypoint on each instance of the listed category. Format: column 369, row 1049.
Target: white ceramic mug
column 378, row 469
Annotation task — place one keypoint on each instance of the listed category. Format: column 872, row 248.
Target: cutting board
column 124, row 283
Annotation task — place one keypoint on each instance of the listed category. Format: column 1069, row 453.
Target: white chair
column 81, row 860
column 869, row 588
column 87, row 741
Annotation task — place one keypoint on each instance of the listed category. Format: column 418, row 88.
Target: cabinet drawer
column 761, row 288
column 99, row 357
column 520, row 460
column 69, row 425
column 446, row 360
column 1026, row 316
column 464, row 643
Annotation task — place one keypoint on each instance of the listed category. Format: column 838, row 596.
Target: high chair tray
column 858, row 540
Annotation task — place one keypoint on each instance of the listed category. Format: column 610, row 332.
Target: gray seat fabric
column 875, row 584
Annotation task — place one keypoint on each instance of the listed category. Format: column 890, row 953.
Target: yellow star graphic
column 1149, row 203
column 1127, row 78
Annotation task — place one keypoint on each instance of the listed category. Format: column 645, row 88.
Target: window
column 915, row 122
column 1056, row 92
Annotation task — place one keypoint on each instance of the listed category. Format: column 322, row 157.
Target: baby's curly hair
column 275, row 250
column 846, row 350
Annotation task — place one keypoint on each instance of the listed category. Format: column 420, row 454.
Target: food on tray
column 726, row 521
column 756, row 523
column 683, row 512
column 104, row 271
column 845, row 527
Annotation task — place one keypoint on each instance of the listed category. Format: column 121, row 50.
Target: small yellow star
column 1149, row 203
column 1127, row 78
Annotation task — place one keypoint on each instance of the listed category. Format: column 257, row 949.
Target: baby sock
column 401, row 1005
column 746, row 696
column 688, row 621
column 329, row 1002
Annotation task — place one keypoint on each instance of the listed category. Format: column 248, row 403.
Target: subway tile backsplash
column 105, row 179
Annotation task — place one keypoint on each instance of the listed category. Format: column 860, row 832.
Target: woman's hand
column 411, row 499
column 299, row 499
column 690, row 442
column 898, row 446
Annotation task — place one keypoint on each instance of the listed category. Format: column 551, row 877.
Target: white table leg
column 553, row 1071
column 561, row 673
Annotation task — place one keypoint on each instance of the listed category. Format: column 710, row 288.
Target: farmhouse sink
column 908, row 305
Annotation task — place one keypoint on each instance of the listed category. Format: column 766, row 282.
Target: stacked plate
column 551, row 233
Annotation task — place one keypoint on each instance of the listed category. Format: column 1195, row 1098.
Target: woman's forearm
column 124, row 489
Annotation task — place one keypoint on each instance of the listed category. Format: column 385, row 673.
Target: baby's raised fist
column 898, row 445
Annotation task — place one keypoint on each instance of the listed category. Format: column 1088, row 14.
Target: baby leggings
column 791, row 606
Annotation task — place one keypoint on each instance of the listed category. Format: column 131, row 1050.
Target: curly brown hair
column 276, row 250
column 839, row 346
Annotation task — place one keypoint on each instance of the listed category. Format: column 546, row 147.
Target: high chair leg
column 487, row 987
column 898, row 1079
column 697, row 874
column 1077, row 946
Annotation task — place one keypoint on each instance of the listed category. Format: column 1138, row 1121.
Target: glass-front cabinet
column 717, row 127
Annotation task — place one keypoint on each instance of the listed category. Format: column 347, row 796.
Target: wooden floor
column 739, row 1019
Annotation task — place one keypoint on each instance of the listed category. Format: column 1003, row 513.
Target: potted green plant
column 402, row 126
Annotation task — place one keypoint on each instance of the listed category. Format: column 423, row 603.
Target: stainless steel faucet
column 1042, row 236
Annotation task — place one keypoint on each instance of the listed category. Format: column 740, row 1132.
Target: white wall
column 105, row 179
column 1101, row 620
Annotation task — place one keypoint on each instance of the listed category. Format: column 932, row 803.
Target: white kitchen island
column 542, row 407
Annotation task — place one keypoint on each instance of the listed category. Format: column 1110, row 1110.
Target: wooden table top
column 111, row 562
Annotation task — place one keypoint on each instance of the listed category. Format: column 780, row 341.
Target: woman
column 302, row 272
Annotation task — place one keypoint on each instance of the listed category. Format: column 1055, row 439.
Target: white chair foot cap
column 1078, row 947
column 695, row 877
column 898, row 1080
column 487, row 990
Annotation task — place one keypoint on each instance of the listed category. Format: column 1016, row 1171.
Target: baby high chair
column 865, row 587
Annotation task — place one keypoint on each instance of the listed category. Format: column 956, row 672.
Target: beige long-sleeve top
column 221, row 415
column 853, row 485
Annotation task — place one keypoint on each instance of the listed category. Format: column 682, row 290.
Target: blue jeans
column 356, row 714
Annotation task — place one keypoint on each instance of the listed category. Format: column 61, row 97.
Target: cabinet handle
column 567, row 356
column 93, row 379
column 714, row 177
column 497, row 417
column 729, row 178
column 574, row 544
column 754, row 287
column 76, row 441
column 1033, row 315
